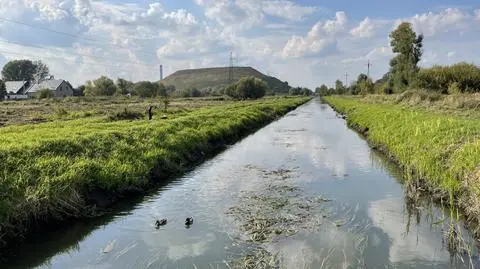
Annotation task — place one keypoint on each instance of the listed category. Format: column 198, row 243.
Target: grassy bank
column 441, row 150
column 59, row 170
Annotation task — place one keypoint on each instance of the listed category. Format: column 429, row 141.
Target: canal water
column 303, row 192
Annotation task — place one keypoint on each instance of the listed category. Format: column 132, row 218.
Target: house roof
column 51, row 84
column 15, row 86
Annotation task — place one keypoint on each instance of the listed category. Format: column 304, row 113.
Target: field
column 60, row 169
column 47, row 110
column 439, row 148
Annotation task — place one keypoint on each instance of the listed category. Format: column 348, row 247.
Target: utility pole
column 230, row 68
column 161, row 72
column 368, row 68
column 346, row 80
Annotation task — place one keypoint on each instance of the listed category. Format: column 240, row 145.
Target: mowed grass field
column 431, row 142
column 55, row 170
column 47, row 110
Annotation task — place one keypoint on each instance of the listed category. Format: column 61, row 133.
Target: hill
column 213, row 79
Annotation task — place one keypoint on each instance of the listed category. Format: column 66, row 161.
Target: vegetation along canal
column 303, row 192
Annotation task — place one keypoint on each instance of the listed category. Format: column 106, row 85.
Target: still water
column 354, row 213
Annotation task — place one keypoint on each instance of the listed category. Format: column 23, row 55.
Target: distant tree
column 3, row 90
column 124, row 86
column 192, row 92
column 79, row 91
column 146, row 89
column 339, row 87
column 247, row 88
column 41, row 71
column 102, row 86
column 364, row 85
column 169, row 90
column 162, row 90
column 408, row 47
column 45, row 93
column 322, row 90
column 24, row 70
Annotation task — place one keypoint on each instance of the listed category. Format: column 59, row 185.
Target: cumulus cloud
column 365, row 29
column 287, row 9
column 451, row 54
column 376, row 54
column 320, row 37
column 431, row 24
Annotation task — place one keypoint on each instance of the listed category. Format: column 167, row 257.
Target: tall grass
column 50, row 171
column 442, row 150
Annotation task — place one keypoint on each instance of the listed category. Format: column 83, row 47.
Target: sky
column 305, row 42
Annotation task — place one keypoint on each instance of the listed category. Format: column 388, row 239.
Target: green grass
column 442, row 149
column 48, row 171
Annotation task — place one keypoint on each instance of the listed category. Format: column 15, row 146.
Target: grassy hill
column 213, row 79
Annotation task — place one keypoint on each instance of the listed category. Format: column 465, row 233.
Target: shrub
column 45, row 94
column 146, row 89
column 247, row 88
column 440, row 78
column 453, row 88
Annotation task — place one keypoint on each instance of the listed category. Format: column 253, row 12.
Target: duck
column 189, row 221
column 161, row 222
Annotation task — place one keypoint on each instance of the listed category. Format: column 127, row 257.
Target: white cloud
column 477, row 14
column 451, row 54
column 376, row 54
column 431, row 24
column 321, row 36
column 365, row 29
column 287, row 9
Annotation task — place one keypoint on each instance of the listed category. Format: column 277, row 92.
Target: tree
column 146, row 89
column 45, row 94
column 162, row 90
column 41, row 71
column 100, row 87
column 339, row 87
column 3, row 90
column 124, row 86
column 24, row 70
column 408, row 47
column 247, row 88
column 322, row 90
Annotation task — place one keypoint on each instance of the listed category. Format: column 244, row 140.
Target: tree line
column 404, row 72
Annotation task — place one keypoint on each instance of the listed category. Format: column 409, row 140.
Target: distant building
column 59, row 87
column 16, row 90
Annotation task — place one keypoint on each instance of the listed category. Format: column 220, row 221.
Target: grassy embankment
column 57, row 170
column 439, row 148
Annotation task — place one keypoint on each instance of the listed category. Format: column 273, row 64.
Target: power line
column 77, row 54
column 68, row 34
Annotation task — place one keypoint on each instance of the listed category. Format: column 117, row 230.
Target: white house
column 16, row 90
column 59, row 87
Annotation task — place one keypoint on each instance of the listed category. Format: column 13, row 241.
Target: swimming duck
column 189, row 221
column 161, row 222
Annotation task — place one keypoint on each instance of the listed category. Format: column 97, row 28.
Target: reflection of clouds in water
column 330, row 151
column 295, row 254
column 178, row 252
column 417, row 245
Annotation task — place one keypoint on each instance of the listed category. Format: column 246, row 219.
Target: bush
column 440, row 78
column 146, row 89
column 453, row 88
column 247, row 88
column 45, row 94
column 192, row 92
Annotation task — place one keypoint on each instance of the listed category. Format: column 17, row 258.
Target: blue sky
column 305, row 42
